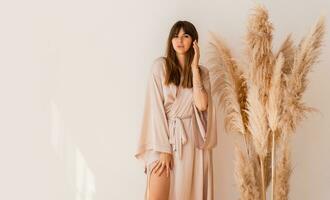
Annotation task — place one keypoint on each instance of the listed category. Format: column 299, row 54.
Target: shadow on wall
column 80, row 179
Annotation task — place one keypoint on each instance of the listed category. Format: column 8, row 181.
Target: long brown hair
column 173, row 69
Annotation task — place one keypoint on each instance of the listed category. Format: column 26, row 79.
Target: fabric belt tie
column 178, row 136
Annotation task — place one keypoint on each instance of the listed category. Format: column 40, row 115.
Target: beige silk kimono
column 172, row 123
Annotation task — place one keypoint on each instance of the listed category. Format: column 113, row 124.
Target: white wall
column 72, row 83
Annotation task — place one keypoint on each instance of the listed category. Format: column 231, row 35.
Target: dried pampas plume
column 283, row 169
column 258, row 126
column 232, row 84
column 245, row 174
column 259, row 49
column 263, row 101
column 305, row 56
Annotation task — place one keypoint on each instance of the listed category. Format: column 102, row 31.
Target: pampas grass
column 284, row 170
column 287, row 50
column 273, row 107
column 232, row 84
column 273, row 104
column 245, row 174
column 257, row 121
column 258, row 129
column 263, row 101
column 305, row 56
column 259, row 50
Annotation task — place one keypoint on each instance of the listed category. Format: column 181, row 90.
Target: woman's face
column 181, row 42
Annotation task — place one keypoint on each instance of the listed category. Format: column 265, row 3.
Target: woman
column 179, row 127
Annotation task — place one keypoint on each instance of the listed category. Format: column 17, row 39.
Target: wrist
column 194, row 65
column 194, row 68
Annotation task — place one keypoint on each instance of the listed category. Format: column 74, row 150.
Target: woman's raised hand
column 196, row 55
column 165, row 162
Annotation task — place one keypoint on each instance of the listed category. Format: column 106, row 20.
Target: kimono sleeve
column 204, row 122
column 154, row 131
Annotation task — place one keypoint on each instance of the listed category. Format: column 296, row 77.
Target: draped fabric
column 173, row 124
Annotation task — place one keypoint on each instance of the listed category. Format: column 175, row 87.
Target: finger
column 161, row 170
column 168, row 169
column 158, row 165
column 155, row 169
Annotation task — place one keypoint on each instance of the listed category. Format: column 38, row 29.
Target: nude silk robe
column 172, row 123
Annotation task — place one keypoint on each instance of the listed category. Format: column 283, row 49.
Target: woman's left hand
column 196, row 55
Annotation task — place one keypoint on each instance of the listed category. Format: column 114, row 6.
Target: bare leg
column 159, row 186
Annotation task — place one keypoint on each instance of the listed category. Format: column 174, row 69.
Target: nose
column 180, row 40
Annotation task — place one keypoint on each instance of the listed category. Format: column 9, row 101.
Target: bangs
column 185, row 29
